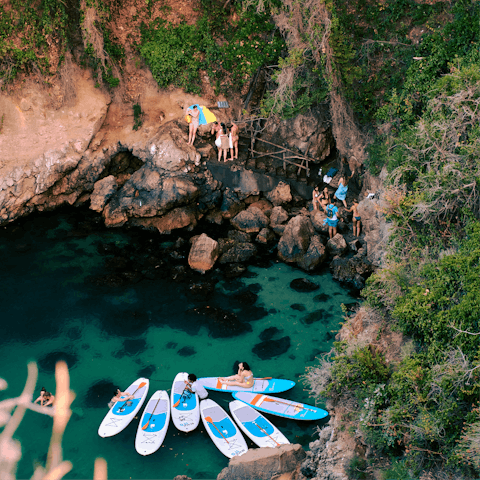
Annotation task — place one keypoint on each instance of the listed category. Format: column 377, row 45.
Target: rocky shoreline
column 153, row 180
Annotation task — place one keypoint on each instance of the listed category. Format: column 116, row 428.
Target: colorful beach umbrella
column 206, row 116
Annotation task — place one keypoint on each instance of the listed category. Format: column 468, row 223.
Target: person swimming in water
column 46, row 399
column 244, row 377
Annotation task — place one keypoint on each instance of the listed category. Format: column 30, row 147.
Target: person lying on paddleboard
column 193, row 386
column 46, row 399
column 244, row 377
column 119, row 395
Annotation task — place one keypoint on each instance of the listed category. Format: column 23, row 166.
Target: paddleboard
column 123, row 412
column 255, row 426
column 281, row 406
column 274, row 385
column 222, row 429
column 156, row 418
column 185, row 408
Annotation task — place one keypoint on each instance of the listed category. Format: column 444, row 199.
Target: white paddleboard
column 255, row 426
column 222, row 429
column 185, row 408
column 156, row 418
column 123, row 412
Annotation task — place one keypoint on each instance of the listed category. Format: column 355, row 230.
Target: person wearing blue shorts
column 331, row 220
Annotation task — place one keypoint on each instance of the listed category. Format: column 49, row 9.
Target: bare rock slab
column 263, row 463
column 280, row 195
column 251, row 220
column 296, row 239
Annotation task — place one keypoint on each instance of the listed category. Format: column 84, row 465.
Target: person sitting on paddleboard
column 119, row 395
column 244, row 377
column 194, row 386
column 46, row 399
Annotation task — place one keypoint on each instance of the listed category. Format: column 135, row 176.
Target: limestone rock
column 180, row 217
column 316, row 254
column 265, row 236
column 296, row 239
column 203, row 253
column 337, row 245
column 318, row 217
column 353, row 271
column 280, row 195
column 264, row 205
column 239, row 253
column 231, row 205
column 278, row 216
column 102, row 191
column 263, row 463
column 251, row 220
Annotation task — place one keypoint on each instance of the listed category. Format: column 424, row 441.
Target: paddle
column 209, row 420
column 265, row 432
column 139, row 387
column 146, row 425
column 266, row 399
column 181, row 396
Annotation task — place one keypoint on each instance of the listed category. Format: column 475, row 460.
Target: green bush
column 356, row 468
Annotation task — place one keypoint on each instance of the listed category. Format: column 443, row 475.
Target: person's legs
column 231, row 154
column 236, row 149
column 194, row 134
column 190, row 134
column 219, row 154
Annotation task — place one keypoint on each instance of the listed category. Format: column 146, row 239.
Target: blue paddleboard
column 281, row 406
column 273, row 385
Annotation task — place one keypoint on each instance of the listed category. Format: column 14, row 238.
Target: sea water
column 111, row 334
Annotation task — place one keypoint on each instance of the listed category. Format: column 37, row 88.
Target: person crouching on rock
column 244, row 377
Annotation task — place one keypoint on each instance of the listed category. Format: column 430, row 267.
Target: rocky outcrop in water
column 264, row 463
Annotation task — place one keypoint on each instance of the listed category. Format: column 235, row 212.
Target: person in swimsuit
column 316, row 198
column 234, row 140
column 193, row 125
column 356, row 218
column 326, row 195
column 224, row 143
column 46, row 398
column 244, row 377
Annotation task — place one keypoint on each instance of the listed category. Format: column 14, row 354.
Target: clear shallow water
column 112, row 332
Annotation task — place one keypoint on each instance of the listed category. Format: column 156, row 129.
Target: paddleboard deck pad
column 123, row 412
column 185, row 408
column 253, row 424
column 156, row 418
column 222, row 429
column 281, row 406
column 274, row 385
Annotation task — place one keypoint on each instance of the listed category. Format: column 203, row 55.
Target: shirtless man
column 356, row 218
column 120, row 396
column 234, row 140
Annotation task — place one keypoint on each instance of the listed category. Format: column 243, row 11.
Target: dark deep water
column 118, row 304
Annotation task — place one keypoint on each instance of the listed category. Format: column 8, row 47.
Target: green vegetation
column 229, row 52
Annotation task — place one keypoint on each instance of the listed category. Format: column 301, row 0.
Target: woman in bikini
column 193, row 125
column 244, row 377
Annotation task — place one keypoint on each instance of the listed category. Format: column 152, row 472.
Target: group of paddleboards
column 185, row 409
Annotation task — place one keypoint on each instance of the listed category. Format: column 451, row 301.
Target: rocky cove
column 87, row 154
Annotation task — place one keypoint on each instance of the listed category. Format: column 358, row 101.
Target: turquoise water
column 65, row 294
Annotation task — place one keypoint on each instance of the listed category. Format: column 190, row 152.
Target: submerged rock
column 303, row 285
column 99, row 394
column 221, row 323
column 269, row 333
column 317, row 316
column 48, row 362
column 187, row 351
column 298, row 306
column 271, row 348
column 239, row 253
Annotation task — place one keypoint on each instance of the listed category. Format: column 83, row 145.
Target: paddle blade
column 141, row 385
column 209, row 419
column 176, row 404
column 145, row 426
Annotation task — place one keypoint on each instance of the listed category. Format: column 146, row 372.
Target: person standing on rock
column 341, row 193
column 194, row 113
column 316, row 196
column 234, row 137
column 331, row 220
column 224, row 143
column 356, row 218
